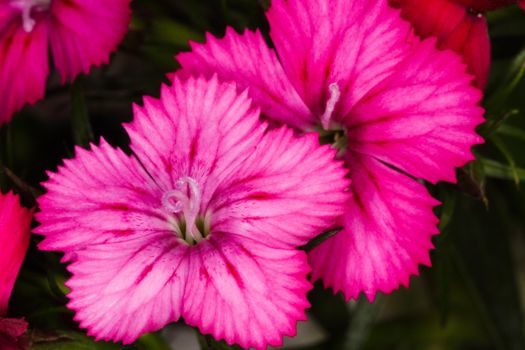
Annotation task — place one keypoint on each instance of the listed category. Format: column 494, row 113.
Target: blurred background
column 472, row 298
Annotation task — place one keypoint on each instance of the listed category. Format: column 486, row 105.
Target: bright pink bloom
column 405, row 108
column 15, row 223
column 459, row 25
column 81, row 34
column 203, row 227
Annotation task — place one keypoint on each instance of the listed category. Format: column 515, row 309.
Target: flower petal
column 198, row 128
column 456, row 27
column 24, row 64
column 84, row 33
column 485, row 5
column 12, row 327
column 245, row 292
column 286, row 193
column 122, row 290
column 247, row 60
column 428, row 134
column 355, row 44
column 101, row 195
column 15, row 222
column 387, row 233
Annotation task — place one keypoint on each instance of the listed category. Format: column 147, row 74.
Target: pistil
column 179, row 201
column 27, row 7
column 335, row 94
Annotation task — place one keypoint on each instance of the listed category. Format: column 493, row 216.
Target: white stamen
column 27, row 7
column 335, row 94
column 177, row 200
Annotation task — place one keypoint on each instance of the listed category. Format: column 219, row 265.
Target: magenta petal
column 428, row 134
column 123, row 290
column 84, row 33
column 15, row 222
column 285, row 190
column 12, row 327
column 247, row 60
column 355, row 44
column 23, row 65
column 198, row 127
column 245, row 292
column 101, row 195
column 387, row 233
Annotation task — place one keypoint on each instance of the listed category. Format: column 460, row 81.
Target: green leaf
column 320, row 239
column 82, row 131
column 71, row 341
column 152, row 341
column 498, row 170
column 481, row 252
column 511, row 131
column 362, row 320
column 500, row 145
column 207, row 342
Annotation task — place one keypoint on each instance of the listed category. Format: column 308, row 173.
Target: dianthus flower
column 458, row 25
column 81, row 34
column 15, row 222
column 203, row 224
column 396, row 107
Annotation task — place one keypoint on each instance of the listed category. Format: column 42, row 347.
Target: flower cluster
column 249, row 154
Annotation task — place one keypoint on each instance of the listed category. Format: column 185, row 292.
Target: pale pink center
column 27, row 9
column 184, row 203
column 335, row 94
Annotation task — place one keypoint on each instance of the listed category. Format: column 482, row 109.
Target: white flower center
column 335, row 94
column 185, row 202
column 27, row 7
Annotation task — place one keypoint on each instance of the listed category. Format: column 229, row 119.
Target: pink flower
column 458, row 25
column 399, row 108
column 15, row 223
column 202, row 224
column 81, row 34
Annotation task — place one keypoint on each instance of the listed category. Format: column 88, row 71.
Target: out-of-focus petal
column 456, row 27
column 84, row 33
column 387, row 233
column 485, row 5
column 24, row 64
column 15, row 222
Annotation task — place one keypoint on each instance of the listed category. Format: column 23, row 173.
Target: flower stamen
column 26, row 7
column 178, row 201
column 335, row 94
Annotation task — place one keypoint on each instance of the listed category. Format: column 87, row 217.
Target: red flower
column 459, row 25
